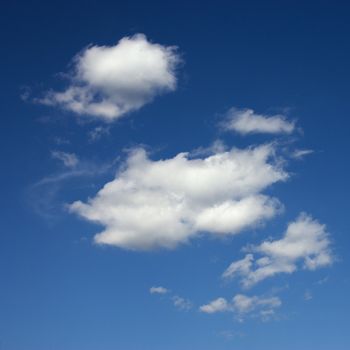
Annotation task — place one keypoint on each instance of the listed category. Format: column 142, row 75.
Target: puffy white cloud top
column 110, row 81
column 163, row 203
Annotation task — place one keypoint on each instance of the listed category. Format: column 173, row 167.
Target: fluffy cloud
column 163, row 203
column 110, row 81
column 70, row 160
column 246, row 121
column 158, row 290
column 243, row 305
column 304, row 244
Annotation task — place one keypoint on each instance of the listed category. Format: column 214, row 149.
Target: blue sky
column 174, row 177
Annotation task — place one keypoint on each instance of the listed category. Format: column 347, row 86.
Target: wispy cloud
column 307, row 295
column 70, row 160
column 231, row 334
column 182, row 303
column 98, row 132
column 44, row 196
column 301, row 153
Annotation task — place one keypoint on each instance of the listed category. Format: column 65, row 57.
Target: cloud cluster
column 246, row 121
column 163, row 203
column 305, row 244
column 242, row 305
column 110, row 81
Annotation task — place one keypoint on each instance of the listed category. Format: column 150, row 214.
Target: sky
column 174, row 176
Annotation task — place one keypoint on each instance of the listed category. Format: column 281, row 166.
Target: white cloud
column 301, row 153
column 110, row 81
column 217, row 305
column 242, row 305
column 304, row 244
column 158, row 290
column 70, row 160
column 246, row 121
column 164, row 203
column 182, row 303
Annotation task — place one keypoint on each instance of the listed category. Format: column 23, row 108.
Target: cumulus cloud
column 109, row 81
column 164, row 203
column 305, row 244
column 158, row 290
column 70, row 160
column 242, row 305
column 246, row 121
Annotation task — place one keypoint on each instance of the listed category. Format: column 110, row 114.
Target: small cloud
column 266, row 315
column 25, row 93
column 307, row 295
column 70, row 160
column 98, row 132
column 182, row 303
column 217, row 305
column 301, row 153
column 246, row 121
column 158, row 290
column 323, row 280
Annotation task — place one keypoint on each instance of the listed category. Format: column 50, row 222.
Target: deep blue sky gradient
column 58, row 291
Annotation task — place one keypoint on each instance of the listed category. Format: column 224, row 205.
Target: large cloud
column 166, row 202
column 246, row 121
column 305, row 243
column 109, row 81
